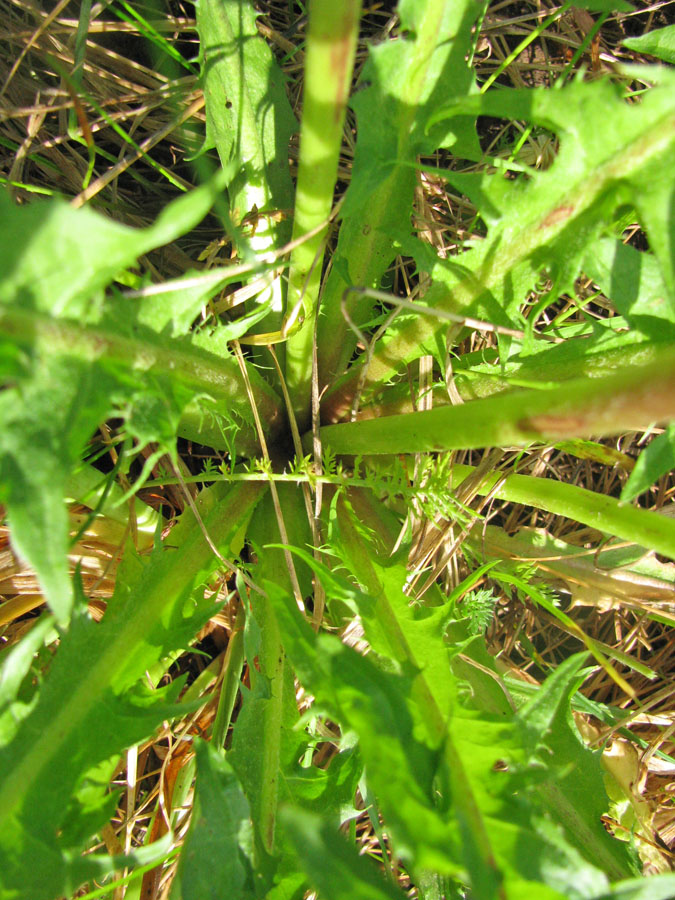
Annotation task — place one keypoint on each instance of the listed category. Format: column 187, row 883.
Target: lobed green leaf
column 93, row 705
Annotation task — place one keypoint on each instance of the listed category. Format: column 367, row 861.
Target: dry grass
column 143, row 113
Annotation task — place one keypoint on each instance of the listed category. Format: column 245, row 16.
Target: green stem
column 329, row 61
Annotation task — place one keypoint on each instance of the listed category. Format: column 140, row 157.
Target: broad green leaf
column 402, row 83
column 73, row 374
column 575, row 791
column 216, row 860
column 473, row 825
column 15, row 665
column 591, row 352
column 265, row 745
column 57, row 259
column 657, row 459
column 659, row 43
column 329, row 792
column 92, row 704
column 466, row 748
column 657, row 887
column 249, row 117
column 334, row 867
column 250, row 122
column 374, row 704
column 44, row 425
column 139, row 355
column 58, row 403
column 545, row 222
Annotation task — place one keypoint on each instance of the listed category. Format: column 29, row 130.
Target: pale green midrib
column 111, row 662
column 426, row 692
column 395, row 631
column 460, row 295
column 209, row 372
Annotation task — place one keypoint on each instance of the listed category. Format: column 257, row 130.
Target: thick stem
column 329, row 60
